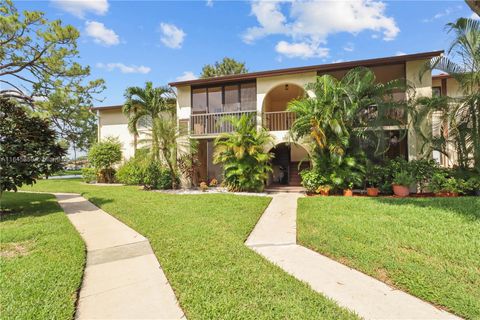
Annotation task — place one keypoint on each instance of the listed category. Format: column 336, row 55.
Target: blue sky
column 130, row 42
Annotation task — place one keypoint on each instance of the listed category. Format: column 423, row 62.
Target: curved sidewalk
column 122, row 279
column 274, row 237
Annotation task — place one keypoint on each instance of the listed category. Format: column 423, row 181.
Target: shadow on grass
column 98, row 201
column 469, row 207
column 20, row 205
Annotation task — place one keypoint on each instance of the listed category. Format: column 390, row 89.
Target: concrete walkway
column 274, row 237
column 123, row 279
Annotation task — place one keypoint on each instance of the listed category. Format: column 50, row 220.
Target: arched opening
column 289, row 159
column 275, row 114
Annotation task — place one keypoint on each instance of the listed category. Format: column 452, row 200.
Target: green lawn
column 199, row 241
column 41, row 259
column 428, row 247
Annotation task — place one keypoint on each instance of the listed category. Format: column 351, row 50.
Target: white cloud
column 187, row 75
column 310, row 22
column 209, row 3
column 172, row 36
column 400, row 53
column 123, row 68
column 79, row 7
column 349, row 47
column 474, row 16
column 101, row 34
column 301, row 50
column 445, row 13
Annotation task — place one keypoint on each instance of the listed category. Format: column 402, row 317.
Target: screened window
column 232, row 98
column 228, row 98
column 199, row 100
column 248, row 96
column 215, row 100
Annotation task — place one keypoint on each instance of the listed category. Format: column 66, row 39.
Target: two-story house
column 201, row 104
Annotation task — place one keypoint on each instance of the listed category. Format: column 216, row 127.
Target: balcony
column 278, row 120
column 213, row 123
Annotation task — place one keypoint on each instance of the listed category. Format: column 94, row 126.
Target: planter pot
column 324, row 192
column 372, row 192
column 401, row 191
column 446, row 194
column 348, row 193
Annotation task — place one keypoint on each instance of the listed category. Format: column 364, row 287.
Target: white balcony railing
column 278, row 120
column 212, row 123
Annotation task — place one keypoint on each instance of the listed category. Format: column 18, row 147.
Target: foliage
column 403, row 178
column 422, row 171
column 89, row 174
column 42, row 259
column 373, row 175
column 473, row 184
column 154, row 108
column 188, row 162
column 71, row 116
column 156, row 176
column 242, row 153
column 312, row 180
column 441, row 182
column 131, row 172
column 341, row 113
column 222, row 68
column 39, row 56
column 103, row 156
column 462, row 118
column 27, row 147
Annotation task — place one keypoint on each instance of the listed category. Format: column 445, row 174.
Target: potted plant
column 373, row 179
column 213, row 183
column 203, row 186
column 401, row 183
column 443, row 186
column 324, row 190
column 348, row 192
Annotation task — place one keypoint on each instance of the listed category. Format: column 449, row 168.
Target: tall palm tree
column 463, row 64
column 242, row 153
column 143, row 106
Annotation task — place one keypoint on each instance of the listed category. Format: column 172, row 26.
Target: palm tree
column 242, row 153
column 341, row 110
column 463, row 64
column 144, row 106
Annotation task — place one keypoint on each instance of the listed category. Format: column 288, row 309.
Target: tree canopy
column 27, row 147
column 222, row 68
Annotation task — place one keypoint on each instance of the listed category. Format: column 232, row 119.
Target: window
column 228, row 98
column 232, row 98
column 248, row 96
column 436, row 91
column 215, row 100
column 199, row 100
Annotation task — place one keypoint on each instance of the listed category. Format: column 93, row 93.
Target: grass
column 41, row 259
column 429, row 247
column 199, row 241
column 67, row 172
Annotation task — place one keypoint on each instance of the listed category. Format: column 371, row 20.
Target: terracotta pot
column 324, row 192
column 446, row 194
column 372, row 192
column 401, row 191
column 347, row 192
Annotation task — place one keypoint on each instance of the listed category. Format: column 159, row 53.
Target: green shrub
column 89, row 174
column 155, row 176
column 441, row 182
column 422, row 171
column 103, row 156
column 312, row 179
column 131, row 172
column 403, row 178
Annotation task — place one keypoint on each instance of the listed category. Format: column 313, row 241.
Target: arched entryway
column 288, row 160
column 275, row 114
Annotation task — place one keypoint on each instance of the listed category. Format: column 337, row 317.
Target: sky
column 130, row 42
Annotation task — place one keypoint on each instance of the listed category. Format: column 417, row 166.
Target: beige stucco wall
column 113, row 123
column 184, row 102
